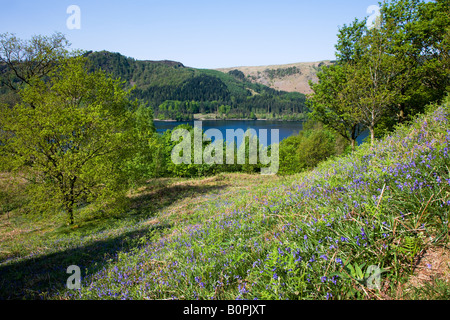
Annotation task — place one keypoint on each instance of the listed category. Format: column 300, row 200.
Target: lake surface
column 285, row 128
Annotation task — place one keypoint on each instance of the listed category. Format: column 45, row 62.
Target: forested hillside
column 178, row 92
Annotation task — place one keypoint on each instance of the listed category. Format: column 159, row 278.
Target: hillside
column 322, row 234
column 292, row 77
column 178, row 92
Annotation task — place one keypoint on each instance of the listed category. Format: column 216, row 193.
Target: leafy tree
column 148, row 159
column 348, row 47
column 375, row 85
column 388, row 73
column 332, row 102
column 73, row 143
column 418, row 34
column 25, row 60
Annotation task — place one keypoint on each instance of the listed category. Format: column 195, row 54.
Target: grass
column 434, row 290
column 316, row 235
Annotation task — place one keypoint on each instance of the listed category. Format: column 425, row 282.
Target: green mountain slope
column 178, row 92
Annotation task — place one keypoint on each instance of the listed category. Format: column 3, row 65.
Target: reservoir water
column 286, row 128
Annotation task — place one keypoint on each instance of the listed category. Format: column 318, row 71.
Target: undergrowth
column 350, row 229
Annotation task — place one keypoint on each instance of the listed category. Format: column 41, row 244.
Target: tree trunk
column 353, row 137
column 70, row 200
column 401, row 116
column 70, row 213
column 372, row 136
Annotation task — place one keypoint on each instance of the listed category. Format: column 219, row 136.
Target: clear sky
column 197, row 33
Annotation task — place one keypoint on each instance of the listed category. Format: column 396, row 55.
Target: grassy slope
column 243, row 237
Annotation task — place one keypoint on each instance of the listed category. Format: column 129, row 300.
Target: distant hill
column 292, row 77
column 178, row 92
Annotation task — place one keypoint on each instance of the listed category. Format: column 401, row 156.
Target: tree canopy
column 71, row 137
column 386, row 74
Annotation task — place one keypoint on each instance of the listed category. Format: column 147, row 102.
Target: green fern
column 374, row 211
column 410, row 247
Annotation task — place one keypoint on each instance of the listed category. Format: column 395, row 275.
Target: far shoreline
column 206, row 119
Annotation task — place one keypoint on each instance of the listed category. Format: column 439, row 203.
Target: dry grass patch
column 434, row 264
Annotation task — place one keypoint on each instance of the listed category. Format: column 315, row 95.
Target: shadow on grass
column 155, row 197
column 28, row 278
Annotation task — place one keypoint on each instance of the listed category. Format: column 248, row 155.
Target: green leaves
column 332, row 102
column 34, row 58
column 409, row 247
column 348, row 47
column 385, row 75
column 70, row 137
column 368, row 276
column 313, row 145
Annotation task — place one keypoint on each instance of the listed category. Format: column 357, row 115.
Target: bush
column 307, row 149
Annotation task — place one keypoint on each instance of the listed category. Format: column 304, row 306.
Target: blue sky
column 198, row 33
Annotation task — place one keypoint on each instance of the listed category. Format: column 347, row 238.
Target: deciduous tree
column 73, row 142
